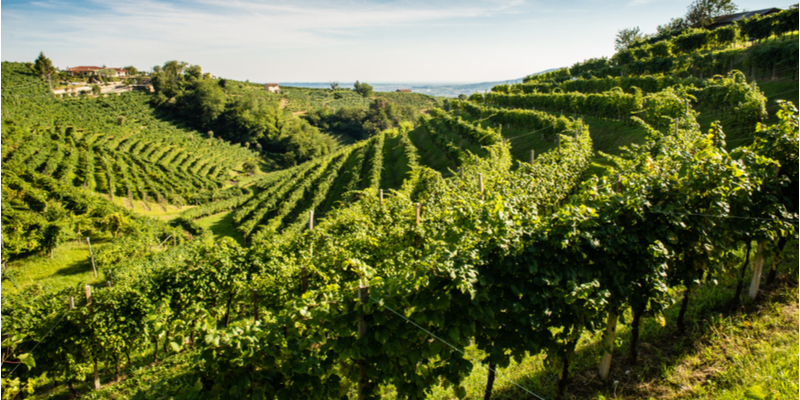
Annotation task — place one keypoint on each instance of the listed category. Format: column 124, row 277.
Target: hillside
column 578, row 235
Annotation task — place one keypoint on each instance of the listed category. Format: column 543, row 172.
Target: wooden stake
column 533, row 156
column 108, row 283
column 676, row 127
column 611, row 323
column 608, row 342
column 311, row 220
column 380, row 196
column 88, row 295
column 480, row 185
column 758, row 267
column 461, row 172
column 94, row 268
column 71, row 303
column 304, row 279
column 96, row 375
column 417, row 206
column 363, row 295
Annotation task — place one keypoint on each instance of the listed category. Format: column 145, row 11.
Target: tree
column 334, row 85
column 194, row 72
column 210, row 100
column 674, row 24
column 43, row 66
column 131, row 70
column 462, row 97
column 627, row 37
column 105, row 72
column 702, row 12
column 174, row 68
column 363, row 89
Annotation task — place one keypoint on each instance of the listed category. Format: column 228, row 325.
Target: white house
column 272, row 88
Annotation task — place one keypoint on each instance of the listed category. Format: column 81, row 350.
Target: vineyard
column 59, row 154
column 403, row 265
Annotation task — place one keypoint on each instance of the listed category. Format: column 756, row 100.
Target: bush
column 249, row 167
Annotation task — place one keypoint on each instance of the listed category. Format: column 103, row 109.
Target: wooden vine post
column 758, row 260
column 380, row 196
column 461, row 173
column 71, row 303
column 94, row 268
column 676, row 127
column 94, row 358
column 363, row 295
column 611, row 324
column 758, row 268
column 533, row 156
column 559, row 144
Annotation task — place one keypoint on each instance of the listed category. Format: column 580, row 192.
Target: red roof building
column 91, row 70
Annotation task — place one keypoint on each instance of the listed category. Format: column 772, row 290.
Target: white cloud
column 245, row 24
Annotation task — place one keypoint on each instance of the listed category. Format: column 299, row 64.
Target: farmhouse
column 403, row 90
column 272, row 88
column 84, row 71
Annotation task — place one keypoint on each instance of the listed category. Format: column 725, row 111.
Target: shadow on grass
column 75, row 268
column 222, row 226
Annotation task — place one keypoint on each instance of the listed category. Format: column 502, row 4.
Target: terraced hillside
column 114, row 146
column 531, row 116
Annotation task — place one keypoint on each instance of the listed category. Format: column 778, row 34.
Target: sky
column 420, row 41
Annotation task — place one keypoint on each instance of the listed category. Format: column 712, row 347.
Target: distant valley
column 432, row 89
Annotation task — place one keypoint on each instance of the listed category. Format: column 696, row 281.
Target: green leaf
column 28, row 360
column 175, row 347
column 755, row 392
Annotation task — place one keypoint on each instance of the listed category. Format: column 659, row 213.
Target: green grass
column 430, row 155
column 69, row 267
column 221, row 225
column 392, row 155
column 164, row 212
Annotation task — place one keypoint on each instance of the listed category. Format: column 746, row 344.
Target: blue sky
column 316, row 41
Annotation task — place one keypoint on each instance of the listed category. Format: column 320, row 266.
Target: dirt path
column 284, row 103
